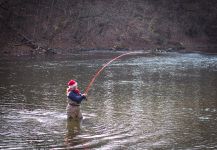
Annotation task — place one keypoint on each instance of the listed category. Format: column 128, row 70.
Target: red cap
column 72, row 83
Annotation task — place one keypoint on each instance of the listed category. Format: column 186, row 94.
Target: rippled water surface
column 145, row 101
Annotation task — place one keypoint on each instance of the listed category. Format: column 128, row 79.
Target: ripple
column 147, row 102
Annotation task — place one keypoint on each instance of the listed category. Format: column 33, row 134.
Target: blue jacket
column 76, row 97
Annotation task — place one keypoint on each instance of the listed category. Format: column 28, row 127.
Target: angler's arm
column 76, row 98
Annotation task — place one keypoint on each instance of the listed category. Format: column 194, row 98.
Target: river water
column 146, row 101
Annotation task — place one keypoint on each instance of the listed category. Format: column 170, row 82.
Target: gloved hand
column 85, row 96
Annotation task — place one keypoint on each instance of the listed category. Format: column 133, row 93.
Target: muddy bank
column 31, row 27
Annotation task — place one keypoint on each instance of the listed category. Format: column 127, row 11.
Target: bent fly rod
column 105, row 65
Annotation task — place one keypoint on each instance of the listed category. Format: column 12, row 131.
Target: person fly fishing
column 74, row 95
column 74, row 100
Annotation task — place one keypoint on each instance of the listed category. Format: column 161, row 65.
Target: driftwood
column 28, row 42
column 24, row 40
column 31, row 43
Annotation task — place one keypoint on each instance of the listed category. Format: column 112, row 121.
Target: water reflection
column 73, row 129
column 108, row 98
column 146, row 102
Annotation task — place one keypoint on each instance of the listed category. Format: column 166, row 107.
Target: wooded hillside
column 61, row 26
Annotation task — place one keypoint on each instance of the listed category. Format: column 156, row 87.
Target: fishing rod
column 101, row 69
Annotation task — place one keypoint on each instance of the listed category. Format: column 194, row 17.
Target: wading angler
column 74, row 100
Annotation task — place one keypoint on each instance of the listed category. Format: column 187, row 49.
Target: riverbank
column 61, row 27
column 30, row 52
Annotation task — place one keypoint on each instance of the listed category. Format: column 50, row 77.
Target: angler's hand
column 85, row 96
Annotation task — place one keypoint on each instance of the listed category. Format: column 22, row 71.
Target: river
column 147, row 101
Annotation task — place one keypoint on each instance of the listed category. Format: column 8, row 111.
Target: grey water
column 146, row 101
